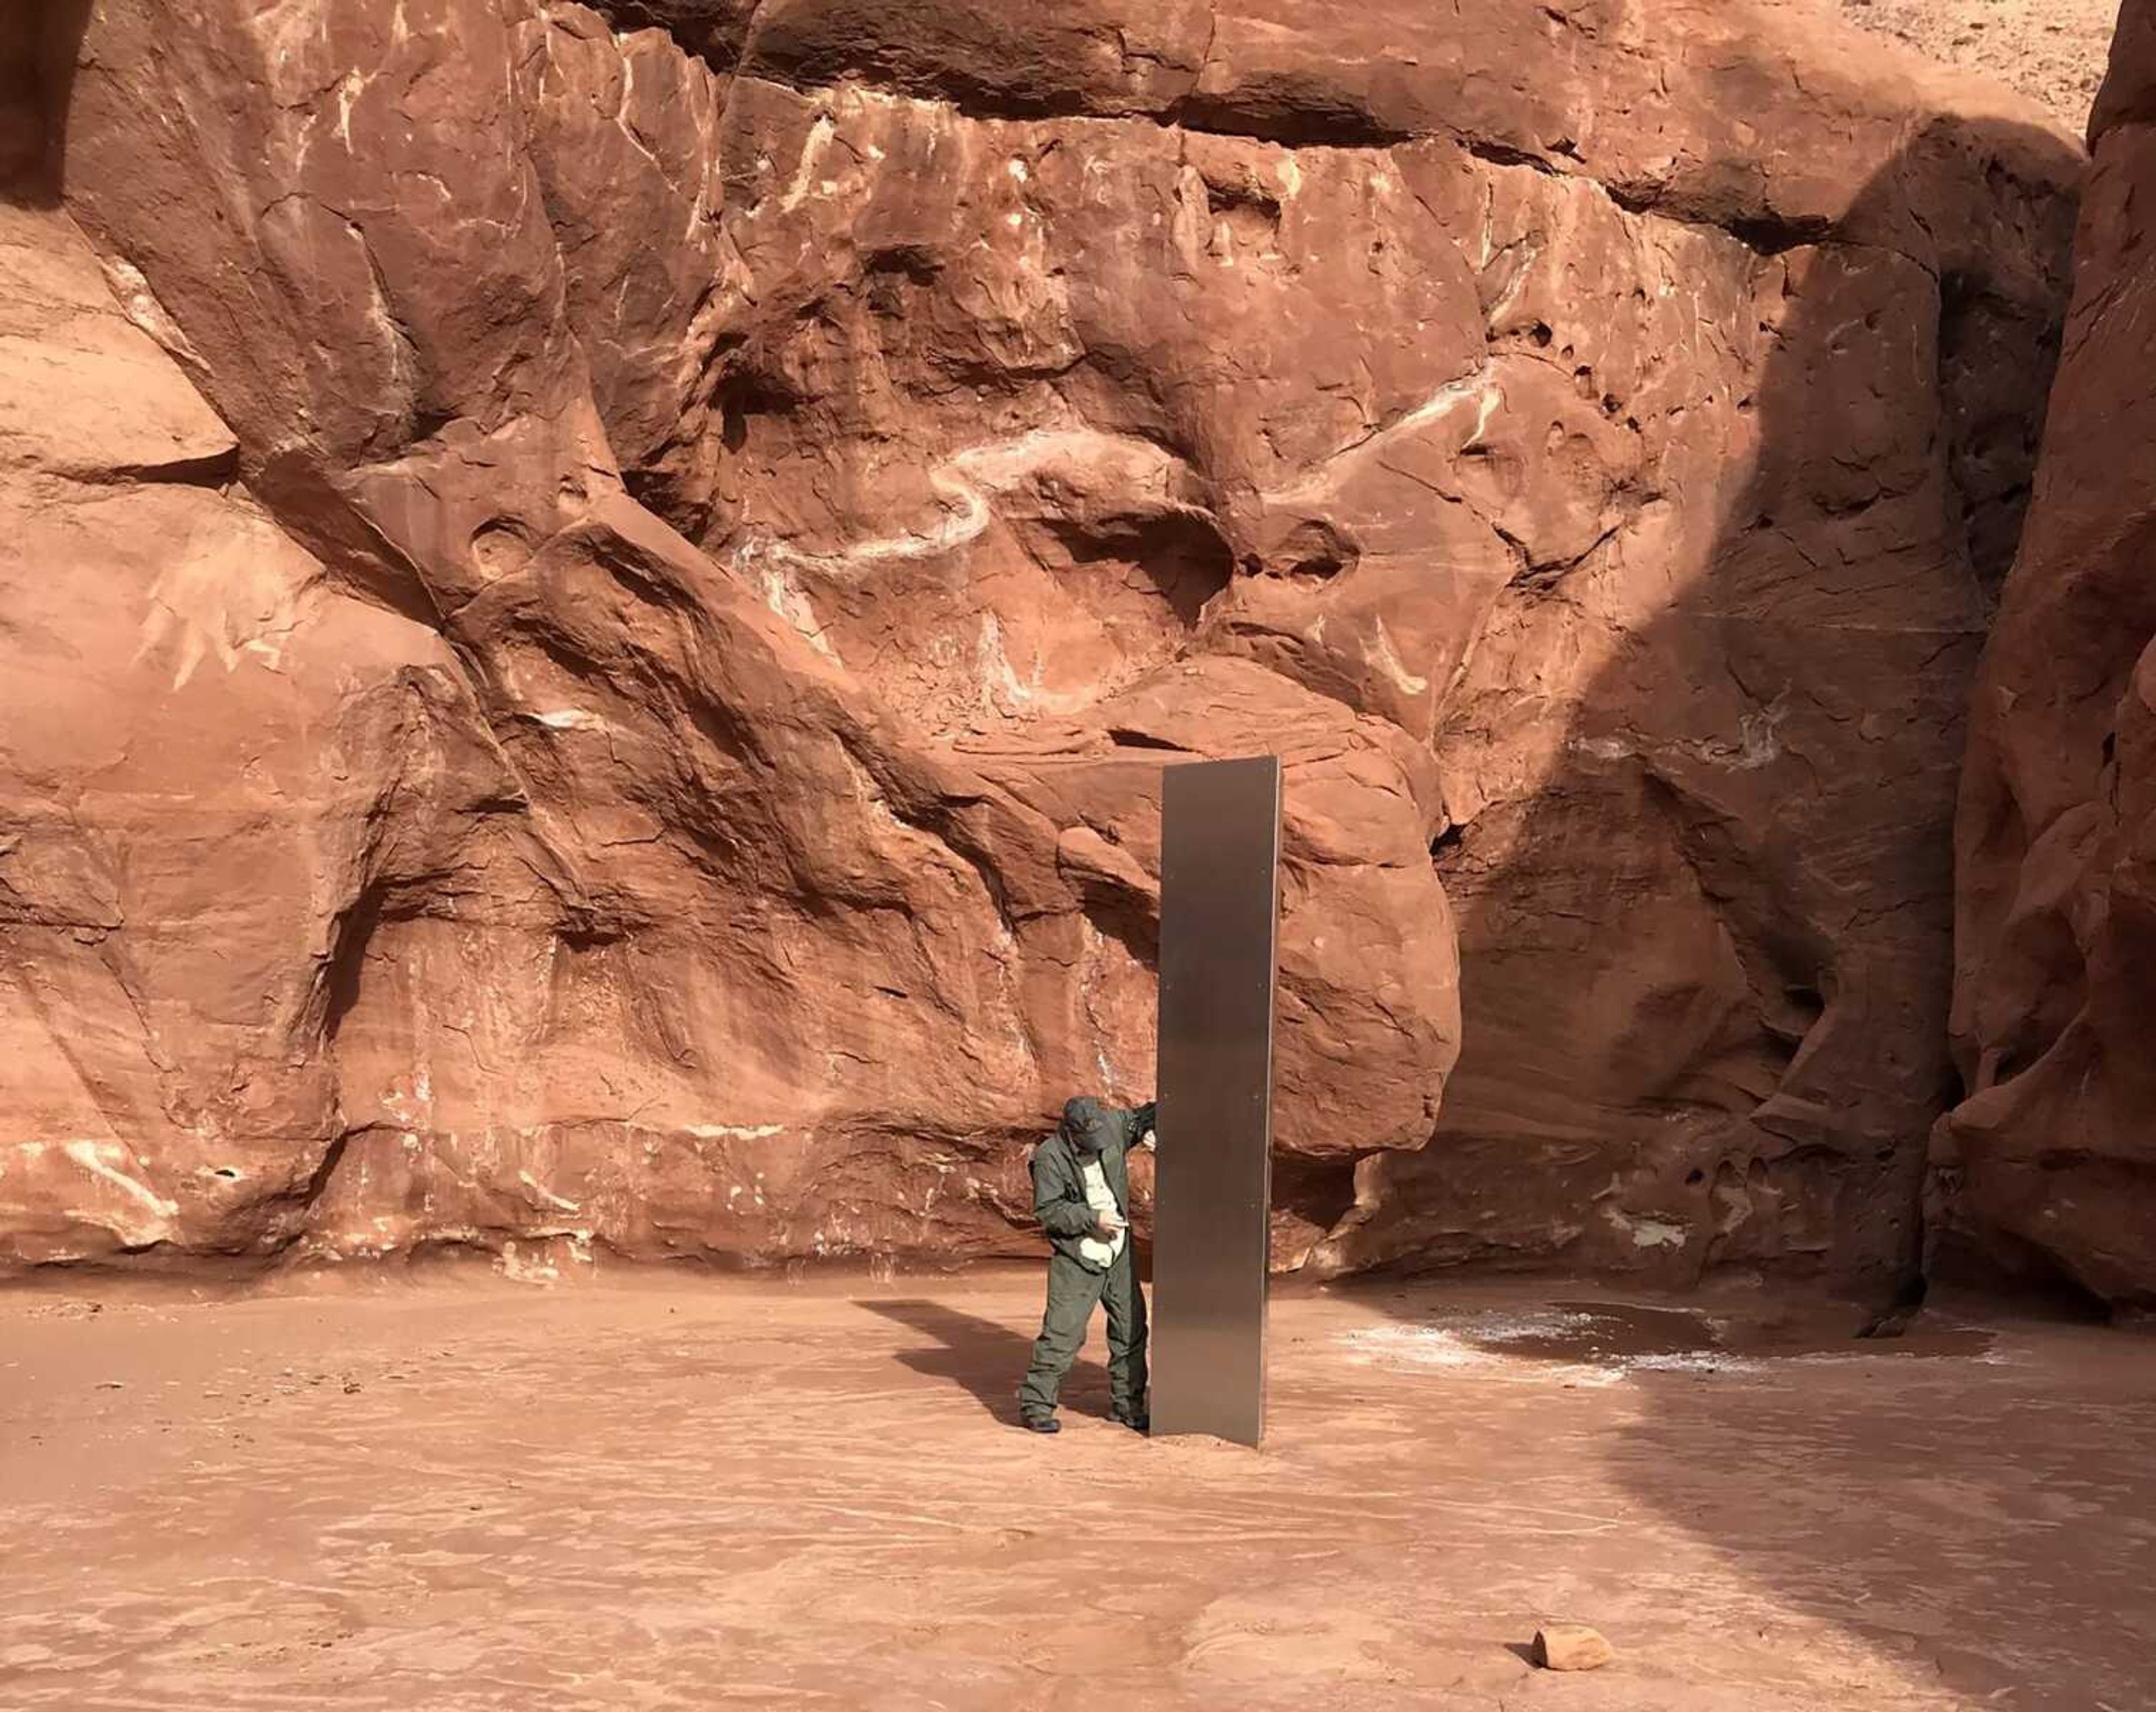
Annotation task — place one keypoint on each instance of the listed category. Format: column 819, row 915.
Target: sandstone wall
column 2049, row 1164
column 594, row 603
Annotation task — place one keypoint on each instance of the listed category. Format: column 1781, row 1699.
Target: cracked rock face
column 595, row 600
column 2049, row 1165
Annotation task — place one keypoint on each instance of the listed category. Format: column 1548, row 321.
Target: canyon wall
column 594, row 600
column 2049, row 1165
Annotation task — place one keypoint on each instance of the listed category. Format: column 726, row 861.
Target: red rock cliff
column 592, row 611
column 2049, row 1166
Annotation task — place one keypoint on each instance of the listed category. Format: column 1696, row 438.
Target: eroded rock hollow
column 594, row 600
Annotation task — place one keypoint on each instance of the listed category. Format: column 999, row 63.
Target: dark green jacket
column 1059, row 1181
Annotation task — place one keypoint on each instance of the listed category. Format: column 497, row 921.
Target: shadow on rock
column 1707, row 955
column 1705, row 897
column 37, row 42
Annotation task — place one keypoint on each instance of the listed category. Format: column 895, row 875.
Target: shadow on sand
column 1958, row 1509
column 984, row 1358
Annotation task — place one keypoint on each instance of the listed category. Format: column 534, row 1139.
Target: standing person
column 1081, row 1194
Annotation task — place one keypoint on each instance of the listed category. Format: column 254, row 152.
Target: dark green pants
column 1072, row 1291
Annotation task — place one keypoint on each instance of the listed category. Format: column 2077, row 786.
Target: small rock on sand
column 1571, row 1646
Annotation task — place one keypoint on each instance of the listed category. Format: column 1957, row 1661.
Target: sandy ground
column 681, row 1492
column 2053, row 50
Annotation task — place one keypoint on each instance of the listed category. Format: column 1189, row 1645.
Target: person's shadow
column 987, row 1359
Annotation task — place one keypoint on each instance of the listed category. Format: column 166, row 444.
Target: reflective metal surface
column 1219, row 911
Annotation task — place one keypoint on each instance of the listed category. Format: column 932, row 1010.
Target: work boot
column 1135, row 1419
column 1040, row 1423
